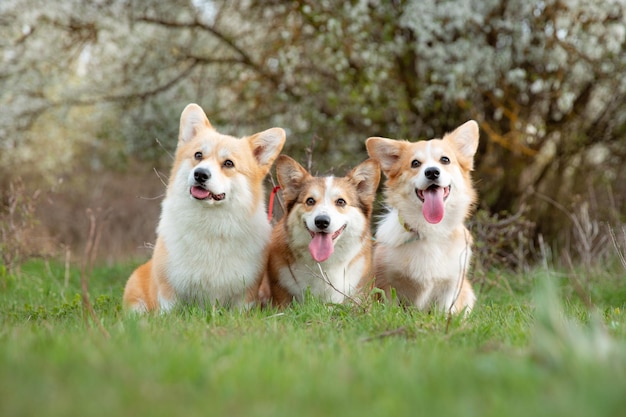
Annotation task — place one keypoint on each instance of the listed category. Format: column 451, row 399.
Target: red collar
column 270, row 210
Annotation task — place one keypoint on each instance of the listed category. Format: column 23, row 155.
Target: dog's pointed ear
column 386, row 151
column 366, row 177
column 192, row 120
column 291, row 176
column 465, row 140
column 267, row 145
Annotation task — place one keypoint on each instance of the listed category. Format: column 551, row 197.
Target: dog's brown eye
column 340, row 202
column 197, row 156
column 444, row 160
column 228, row 164
column 415, row 164
column 310, row 201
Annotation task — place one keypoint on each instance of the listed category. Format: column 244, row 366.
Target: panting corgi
column 422, row 247
column 323, row 243
column 213, row 233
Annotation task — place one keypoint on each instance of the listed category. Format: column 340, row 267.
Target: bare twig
column 620, row 251
column 157, row 197
column 133, row 95
column 309, row 153
column 400, row 331
column 68, row 253
column 327, row 280
column 586, row 230
column 90, row 252
column 464, row 267
column 583, row 294
column 164, row 149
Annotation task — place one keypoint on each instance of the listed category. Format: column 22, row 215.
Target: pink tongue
column 321, row 246
column 199, row 192
column 433, row 205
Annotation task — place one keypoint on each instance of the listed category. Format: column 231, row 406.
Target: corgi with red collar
column 423, row 248
column 213, row 233
column 323, row 243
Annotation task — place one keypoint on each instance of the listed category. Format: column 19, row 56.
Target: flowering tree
column 543, row 79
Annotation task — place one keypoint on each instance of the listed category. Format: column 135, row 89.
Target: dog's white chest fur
column 332, row 281
column 213, row 230
column 213, row 253
column 435, row 262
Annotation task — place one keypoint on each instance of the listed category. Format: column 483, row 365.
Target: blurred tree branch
column 543, row 80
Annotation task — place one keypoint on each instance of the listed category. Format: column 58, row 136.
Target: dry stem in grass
column 589, row 242
column 465, row 262
column 619, row 248
column 91, row 248
column 591, row 245
column 353, row 300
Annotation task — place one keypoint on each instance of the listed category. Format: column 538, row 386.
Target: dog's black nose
column 322, row 221
column 432, row 173
column 201, row 175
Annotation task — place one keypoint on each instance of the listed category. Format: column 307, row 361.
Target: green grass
column 529, row 351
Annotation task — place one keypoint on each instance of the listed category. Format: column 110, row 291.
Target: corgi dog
column 213, row 232
column 323, row 243
column 423, row 248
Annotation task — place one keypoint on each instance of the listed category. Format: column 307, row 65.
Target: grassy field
column 532, row 347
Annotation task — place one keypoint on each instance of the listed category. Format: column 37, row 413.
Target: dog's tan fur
column 213, row 232
column 426, row 259
column 291, row 268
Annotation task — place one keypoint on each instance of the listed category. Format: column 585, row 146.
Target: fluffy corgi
column 422, row 247
column 323, row 242
column 213, row 233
